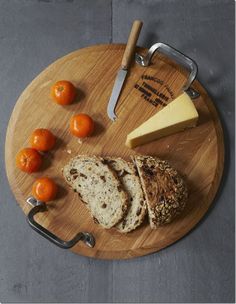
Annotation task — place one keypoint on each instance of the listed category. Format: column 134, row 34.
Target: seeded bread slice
column 128, row 176
column 99, row 187
column 165, row 191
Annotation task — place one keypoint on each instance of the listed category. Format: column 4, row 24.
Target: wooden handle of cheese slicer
column 131, row 44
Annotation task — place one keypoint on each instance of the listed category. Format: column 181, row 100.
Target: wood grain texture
column 197, row 153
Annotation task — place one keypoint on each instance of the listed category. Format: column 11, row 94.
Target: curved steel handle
column 176, row 56
column 39, row 206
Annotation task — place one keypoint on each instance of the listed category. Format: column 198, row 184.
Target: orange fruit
column 28, row 160
column 81, row 125
column 42, row 140
column 63, row 92
column 44, row 189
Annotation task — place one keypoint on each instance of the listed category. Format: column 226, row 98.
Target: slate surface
column 198, row 268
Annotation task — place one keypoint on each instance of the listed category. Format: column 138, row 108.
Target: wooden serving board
column 197, row 153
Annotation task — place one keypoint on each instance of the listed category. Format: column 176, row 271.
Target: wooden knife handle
column 131, row 44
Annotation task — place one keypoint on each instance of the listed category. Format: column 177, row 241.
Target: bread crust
column 165, row 191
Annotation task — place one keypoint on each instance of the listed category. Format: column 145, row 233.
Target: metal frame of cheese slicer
column 39, row 206
column 176, row 56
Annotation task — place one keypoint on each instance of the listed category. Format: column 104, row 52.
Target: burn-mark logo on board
column 154, row 90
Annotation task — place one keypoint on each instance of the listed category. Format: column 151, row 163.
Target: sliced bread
column 128, row 176
column 99, row 187
column 164, row 189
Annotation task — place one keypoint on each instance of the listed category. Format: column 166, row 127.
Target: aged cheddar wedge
column 176, row 116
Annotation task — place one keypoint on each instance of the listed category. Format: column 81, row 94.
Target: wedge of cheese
column 176, row 116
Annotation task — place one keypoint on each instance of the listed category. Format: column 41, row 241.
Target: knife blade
column 121, row 75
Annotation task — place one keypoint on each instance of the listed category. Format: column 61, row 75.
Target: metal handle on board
column 39, row 206
column 176, row 56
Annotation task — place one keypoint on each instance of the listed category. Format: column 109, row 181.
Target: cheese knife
column 126, row 60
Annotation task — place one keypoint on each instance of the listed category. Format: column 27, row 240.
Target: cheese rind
column 175, row 117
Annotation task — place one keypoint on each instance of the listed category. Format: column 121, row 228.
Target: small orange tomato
column 44, row 189
column 28, row 160
column 42, row 140
column 81, row 125
column 63, row 92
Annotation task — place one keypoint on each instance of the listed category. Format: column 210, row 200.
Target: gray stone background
column 198, row 268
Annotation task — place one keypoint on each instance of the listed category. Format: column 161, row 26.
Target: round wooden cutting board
column 197, row 153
